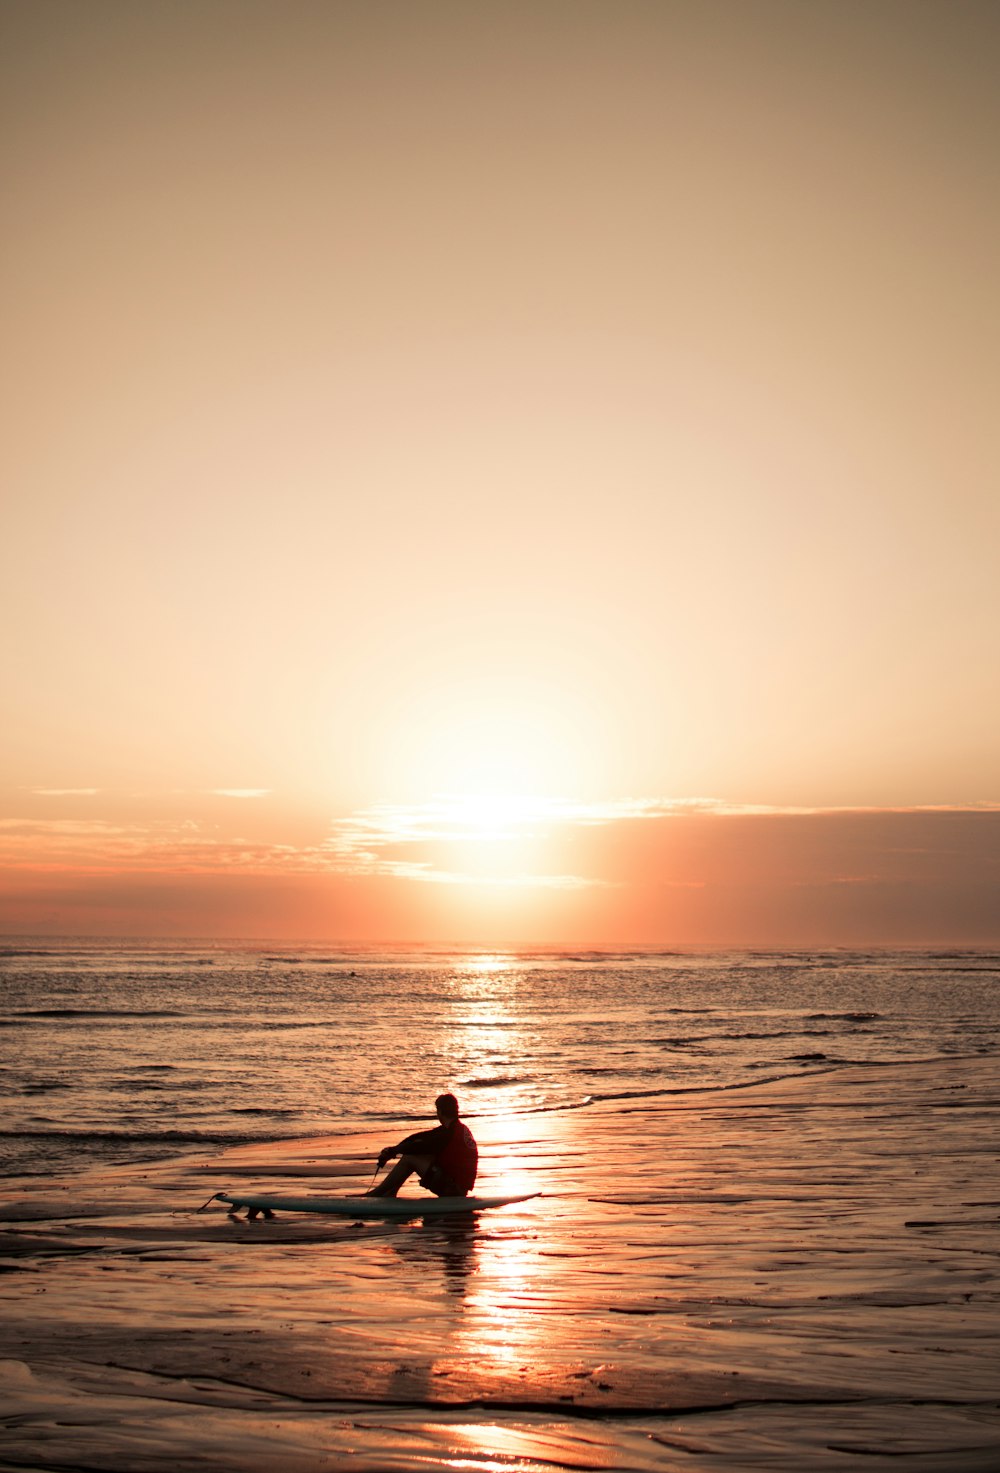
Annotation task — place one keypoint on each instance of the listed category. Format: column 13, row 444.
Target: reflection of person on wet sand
column 449, row 1244
column 444, row 1159
column 458, row 1241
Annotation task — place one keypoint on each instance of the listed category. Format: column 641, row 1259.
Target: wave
column 182, row 1018
column 493, row 1081
column 779, row 1033
column 150, row 1137
column 990, row 971
column 845, row 1017
column 947, row 956
column 25, row 1014
column 832, row 1065
column 491, row 1023
column 139, row 1086
column 690, row 1040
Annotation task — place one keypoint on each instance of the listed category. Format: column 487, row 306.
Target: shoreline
column 812, row 1270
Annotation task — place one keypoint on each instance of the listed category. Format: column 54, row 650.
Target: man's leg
column 404, row 1168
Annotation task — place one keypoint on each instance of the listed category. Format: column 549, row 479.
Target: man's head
column 447, row 1108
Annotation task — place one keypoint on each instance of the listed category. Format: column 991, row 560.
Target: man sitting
column 445, row 1159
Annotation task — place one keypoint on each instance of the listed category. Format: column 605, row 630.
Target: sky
column 508, row 473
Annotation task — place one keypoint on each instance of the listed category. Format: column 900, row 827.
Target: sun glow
column 489, row 817
column 488, row 733
column 490, row 839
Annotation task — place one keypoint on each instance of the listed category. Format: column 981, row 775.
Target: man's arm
column 422, row 1143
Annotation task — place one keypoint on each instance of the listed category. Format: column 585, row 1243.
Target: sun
column 476, row 783
column 493, row 838
column 501, row 841
column 492, row 817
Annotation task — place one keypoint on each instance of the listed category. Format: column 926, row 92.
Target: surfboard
column 358, row 1208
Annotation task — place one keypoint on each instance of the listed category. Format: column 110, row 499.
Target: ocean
column 127, row 1051
column 761, row 1234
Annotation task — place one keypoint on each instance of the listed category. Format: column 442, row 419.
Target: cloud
column 186, row 846
column 64, row 792
column 642, row 871
column 370, row 841
column 509, row 842
column 240, row 792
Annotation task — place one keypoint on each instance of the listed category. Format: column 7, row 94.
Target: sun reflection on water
column 486, row 1038
column 498, row 1326
column 490, row 964
column 492, row 1033
column 508, row 1447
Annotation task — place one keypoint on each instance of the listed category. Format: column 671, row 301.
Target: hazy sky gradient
column 594, row 402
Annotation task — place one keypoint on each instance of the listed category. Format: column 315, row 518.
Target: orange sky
column 519, row 472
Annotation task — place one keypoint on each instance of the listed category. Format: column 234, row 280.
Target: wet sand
column 798, row 1275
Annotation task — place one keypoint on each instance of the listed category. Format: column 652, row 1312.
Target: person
column 445, row 1159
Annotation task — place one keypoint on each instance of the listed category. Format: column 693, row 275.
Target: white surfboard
column 358, row 1208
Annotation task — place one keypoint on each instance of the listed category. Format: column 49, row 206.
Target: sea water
column 120, row 1051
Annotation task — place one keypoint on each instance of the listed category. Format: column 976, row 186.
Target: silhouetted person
column 445, row 1159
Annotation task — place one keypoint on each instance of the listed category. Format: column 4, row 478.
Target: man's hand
column 385, row 1155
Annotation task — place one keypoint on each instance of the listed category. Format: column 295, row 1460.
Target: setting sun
column 491, row 816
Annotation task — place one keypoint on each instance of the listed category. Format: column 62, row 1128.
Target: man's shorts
column 440, row 1183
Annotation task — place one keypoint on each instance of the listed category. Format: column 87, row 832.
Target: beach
column 787, row 1275
column 500, row 585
